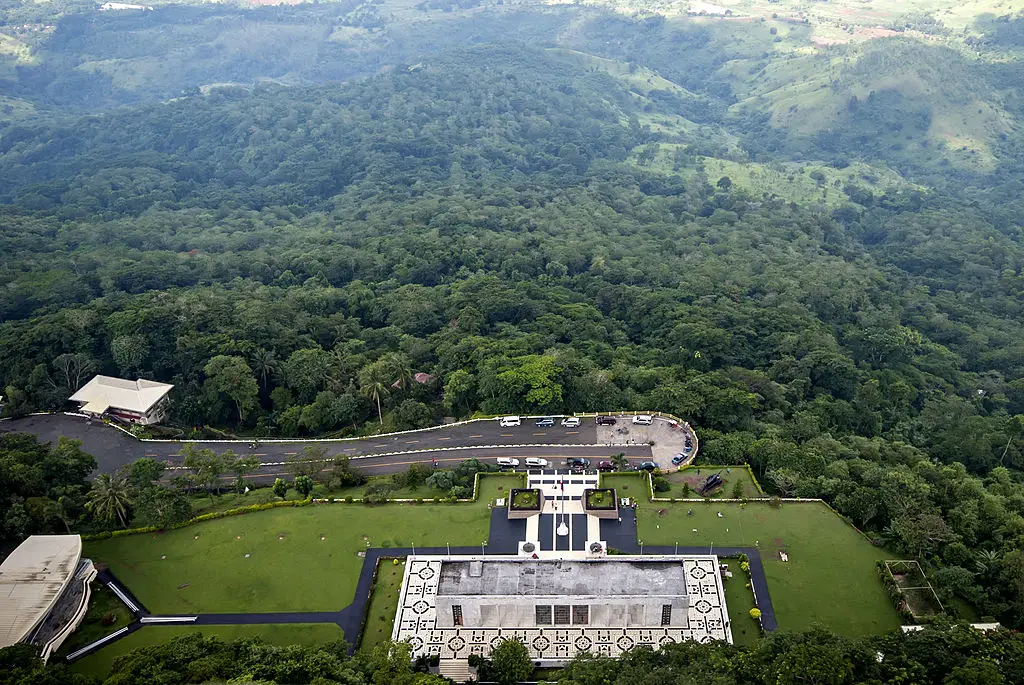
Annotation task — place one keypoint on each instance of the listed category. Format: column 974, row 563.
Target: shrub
column 775, row 502
column 661, row 484
column 755, row 613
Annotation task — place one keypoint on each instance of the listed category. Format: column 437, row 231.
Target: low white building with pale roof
column 139, row 401
column 44, row 591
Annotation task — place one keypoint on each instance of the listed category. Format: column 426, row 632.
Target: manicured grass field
column 99, row 663
column 730, row 476
column 302, row 559
column 830, row 577
column 380, row 618
column 627, row 485
column 740, row 600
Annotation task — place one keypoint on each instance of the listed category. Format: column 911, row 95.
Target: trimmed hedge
column 238, row 511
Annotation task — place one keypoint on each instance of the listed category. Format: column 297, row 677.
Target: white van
column 643, row 420
column 510, row 421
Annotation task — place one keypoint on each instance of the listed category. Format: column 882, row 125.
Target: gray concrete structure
column 527, row 593
column 498, row 598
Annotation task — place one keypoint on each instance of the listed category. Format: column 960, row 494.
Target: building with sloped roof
column 139, row 401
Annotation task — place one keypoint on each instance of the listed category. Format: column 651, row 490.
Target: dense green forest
column 814, row 256
column 949, row 654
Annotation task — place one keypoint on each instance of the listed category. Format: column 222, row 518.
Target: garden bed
column 524, row 502
column 601, row 502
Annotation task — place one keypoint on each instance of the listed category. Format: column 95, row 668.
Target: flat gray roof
column 562, row 577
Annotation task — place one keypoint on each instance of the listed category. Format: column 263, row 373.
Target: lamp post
column 641, row 548
column 677, row 548
column 482, row 545
column 449, row 548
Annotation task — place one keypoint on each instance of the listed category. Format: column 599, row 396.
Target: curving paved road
column 376, row 454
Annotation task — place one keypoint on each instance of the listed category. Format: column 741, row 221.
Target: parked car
column 606, row 466
column 507, row 461
column 643, row 420
column 606, row 420
column 510, row 421
column 536, row 462
column 648, row 466
column 546, row 421
column 571, row 422
column 679, row 459
column 577, row 462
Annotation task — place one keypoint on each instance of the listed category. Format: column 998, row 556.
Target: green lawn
column 380, row 618
column 627, row 485
column 740, row 600
column 302, row 559
column 102, row 603
column 730, row 476
column 830, row 577
column 98, row 664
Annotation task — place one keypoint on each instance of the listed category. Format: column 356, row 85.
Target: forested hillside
column 589, row 211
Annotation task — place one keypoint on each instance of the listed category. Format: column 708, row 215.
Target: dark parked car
column 606, row 420
column 577, row 462
column 647, row 466
column 678, row 459
column 606, row 466
column 546, row 421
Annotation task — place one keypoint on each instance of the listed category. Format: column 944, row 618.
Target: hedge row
column 248, row 509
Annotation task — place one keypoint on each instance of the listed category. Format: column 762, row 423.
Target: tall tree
column 265, row 364
column 110, row 498
column 373, row 383
column 231, row 376
column 511, row 662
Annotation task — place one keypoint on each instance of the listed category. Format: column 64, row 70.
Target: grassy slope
column 203, row 568
column 99, row 664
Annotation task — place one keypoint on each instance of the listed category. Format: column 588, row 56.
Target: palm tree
column 986, row 560
column 110, row 498
column 399, row 368
column 619, row 461
column 264, row 363
column 373, row 383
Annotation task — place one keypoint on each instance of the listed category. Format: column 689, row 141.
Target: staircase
column 456, row 669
